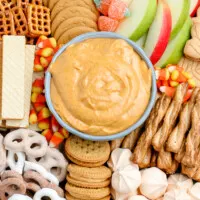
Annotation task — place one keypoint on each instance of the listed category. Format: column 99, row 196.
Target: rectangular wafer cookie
column 29, row 63
column 13, row 76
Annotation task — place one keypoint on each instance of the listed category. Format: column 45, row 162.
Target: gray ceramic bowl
column 119, row 134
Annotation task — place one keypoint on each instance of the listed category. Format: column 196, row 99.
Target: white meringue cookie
column 19, row 197
column 126, row 179
column 18, row 165
column 120, row 158
column 138, row 197
column 177, row 195
column 154, row 183
column 194, row 192
column 120, row 196
column 179, row 181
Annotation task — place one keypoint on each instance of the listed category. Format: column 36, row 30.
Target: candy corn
column 64, row 132
column 169, row 91
column 37, row 98
column 38, row 85
column 45, row 61
column 50, row 42
column 187, row 75
column 171, row 68
column 33, row 117
column 191, row 83
column 37, row 66
column 56, row 139
column 44, row 124
column 54, row 124
column 46, row 52
column 165, row 83
column 187, row 95
column 47, row 134
column 40, row 39
column 38, row 106
column 159, row 83
column 162, row 74
column 56, row 49
column 174, row 83
column 43, row 114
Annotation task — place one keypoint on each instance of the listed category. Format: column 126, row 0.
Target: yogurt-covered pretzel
column 19, row 197
column 10, row 174
column 41, row 170
column 35, row 181
column 2, row 155
column 46, row 192
column 28, row 141
column 53, row 161
column 16, row 165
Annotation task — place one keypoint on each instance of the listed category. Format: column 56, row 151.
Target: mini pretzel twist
column 28, row 141
column 53, row 161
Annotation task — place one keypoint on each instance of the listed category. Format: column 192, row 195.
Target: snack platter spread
column 99, row 99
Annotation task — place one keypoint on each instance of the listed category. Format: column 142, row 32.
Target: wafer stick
column 116, row 143
column 147, row 159
column 176, row 137
column 166, row 162
column 193, row 138
column 162, row 134
column 152, row 124
column 131, row 139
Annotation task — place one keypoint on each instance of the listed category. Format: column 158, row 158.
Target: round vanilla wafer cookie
column 86, row 184
column 85, row 164
column 72, row 23
column 74, row 11
column 87, row 193
column 61, row 4
column 87, row 151
column 101, row 172
column 74, row 32
column 69, row 197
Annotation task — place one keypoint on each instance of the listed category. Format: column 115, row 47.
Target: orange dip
column 100, row 86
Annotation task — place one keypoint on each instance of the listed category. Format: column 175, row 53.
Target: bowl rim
column 120, row 134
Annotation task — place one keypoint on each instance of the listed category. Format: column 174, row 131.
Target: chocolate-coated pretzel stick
column 171, row 115
column 176, row 137
column 131, row 139
column 152, row 124
column 193, row 138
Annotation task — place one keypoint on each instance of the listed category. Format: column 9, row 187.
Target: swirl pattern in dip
column 100, row 86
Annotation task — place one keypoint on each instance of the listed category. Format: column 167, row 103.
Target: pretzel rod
column 190, row 172
column 179, row 156
column 147, row 159
column 193, row 138
column 131, row 139
column 176, row 137
column 154, row 158
column 152, row 124
column 166, row 162
column 116, row 143
column 162, row 134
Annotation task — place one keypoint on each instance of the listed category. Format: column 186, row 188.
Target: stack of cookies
column 72, row 18
column 87, row 179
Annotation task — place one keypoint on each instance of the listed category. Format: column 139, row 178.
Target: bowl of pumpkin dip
column 100, row 86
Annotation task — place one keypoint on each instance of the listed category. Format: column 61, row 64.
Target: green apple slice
column 180, row 12
column 141, row 41
column 142, row 15
column 174, row 50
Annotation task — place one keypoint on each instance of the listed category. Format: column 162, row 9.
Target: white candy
column 16, row 165
column 119, row 196
column 19, row 197
column 127, row 179
column 194, row 192
column 154, row 183
column 138, row 197
column 179, row 181
column 47, row 192
column 41, row 170
column 120, row 158
column 177, row 195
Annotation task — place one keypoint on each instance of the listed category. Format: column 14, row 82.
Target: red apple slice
column 159, row 32
column 194, row 5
